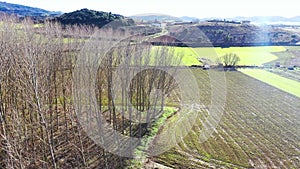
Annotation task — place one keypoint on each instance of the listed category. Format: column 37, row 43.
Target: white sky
column 195, row 8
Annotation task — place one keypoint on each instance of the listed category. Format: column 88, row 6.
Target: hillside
column 258, row 20
column 155, row 17
column 262, row 20
column 229, row 34
column 22, row 11
column 93, row 18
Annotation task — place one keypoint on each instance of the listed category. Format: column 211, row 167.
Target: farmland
column 43, row 81
column 259, row 128
column 249, row 55
column 288, row 58
column 282, row 83
column 293, row 75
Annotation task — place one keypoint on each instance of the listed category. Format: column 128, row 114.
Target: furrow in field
column 266, row 119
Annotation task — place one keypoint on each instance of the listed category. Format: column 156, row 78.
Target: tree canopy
column 230, row 59
column 93, row 18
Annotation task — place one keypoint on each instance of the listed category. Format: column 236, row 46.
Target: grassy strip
column 148, row 138
column 284, row 84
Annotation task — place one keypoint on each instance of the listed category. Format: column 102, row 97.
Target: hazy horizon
column 217, row 8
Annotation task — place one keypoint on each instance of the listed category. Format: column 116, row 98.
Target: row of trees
column 39, row 124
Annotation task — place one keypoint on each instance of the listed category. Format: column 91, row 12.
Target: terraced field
column 260, row 128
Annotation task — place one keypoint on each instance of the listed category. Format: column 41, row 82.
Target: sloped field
column 260, row 128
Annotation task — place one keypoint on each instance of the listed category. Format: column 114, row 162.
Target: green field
column 290, row 74
column 282, row 83
column 249, row 55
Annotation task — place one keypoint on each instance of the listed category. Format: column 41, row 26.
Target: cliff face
column 226, row 35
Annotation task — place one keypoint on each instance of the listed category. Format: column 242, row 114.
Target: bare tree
column 230, row 59
column 39, row 127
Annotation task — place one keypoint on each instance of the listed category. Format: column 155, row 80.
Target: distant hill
column 229, row 34
column 259, row 20
column 155, row 17
column 262, row 20
column 93, row 18
column 189, row 19
column 295, row 19
column 268, row 19
column 24, row 11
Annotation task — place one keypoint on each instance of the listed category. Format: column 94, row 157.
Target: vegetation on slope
column 229, row 34
column 93, row 18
